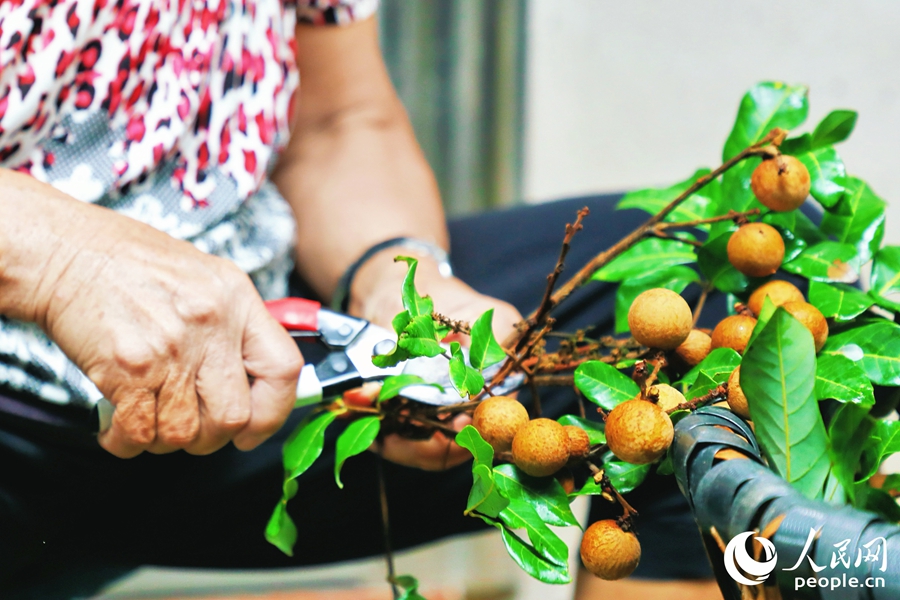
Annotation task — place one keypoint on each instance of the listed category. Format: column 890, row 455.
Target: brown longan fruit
column 541, row 447
column 566, row 479
column 638, row 431
column 667, row 397
column 660, row 318
column 733, row 332
column 737, row 401
column 811, row 318
column 579, row 442
column 497, row 419
column 777, row 291
column 756, row 249
column 609, row 552
column 781, row 183
column 695, row 348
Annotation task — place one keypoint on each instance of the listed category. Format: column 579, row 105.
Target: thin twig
column 717, row 393
column 729, row 216
column 454, row 325
column 701, row 302
column 386, row 523
column 773, row 138
column 667, row 236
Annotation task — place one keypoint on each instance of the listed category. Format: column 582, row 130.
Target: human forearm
column 353, row 173
column 36, row 242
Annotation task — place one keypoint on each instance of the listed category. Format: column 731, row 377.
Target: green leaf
column 886, row 278
column 848, row 432
column 704, row 385
column 596, row 431
column 826, row 261
column 877, row 501
column 485, row 496
column 532, row 562
column 305, row 443
column 410, row 587
column 281, row 531
column 465, row 379
column 827, row 174
column 647, row 255
column 419, row 337
column 394, row 384
column 839, row 301
column 839, row 378
column 471, row 440
column 778, row 377
column 519, row 514
column 604, row 385
column 765, row 313
column 765, row 106
column 400, row 321
column 414, row 303
column 484, row 351
column 392, row 358
column 785, row 223
column 717, row 364
column 673, row 278
column 700, row 205
column 358, row 436
column 891, row 483
column 623, row 476
column 835, row 127
column 858, row 219
column 875, row 344
column 713, row 261
column 544, row 494
column 736, row 193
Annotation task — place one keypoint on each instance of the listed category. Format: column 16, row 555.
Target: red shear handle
column 295, row 314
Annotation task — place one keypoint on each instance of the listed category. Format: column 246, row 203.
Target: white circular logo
column 736, row 556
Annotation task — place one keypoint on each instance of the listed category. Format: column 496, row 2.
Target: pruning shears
column 350, row 343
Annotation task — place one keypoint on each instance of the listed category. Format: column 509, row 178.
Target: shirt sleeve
column 335, row 12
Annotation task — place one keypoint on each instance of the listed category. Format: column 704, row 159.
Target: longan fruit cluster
column 540, row 447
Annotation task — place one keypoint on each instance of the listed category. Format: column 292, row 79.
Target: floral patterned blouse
column 168, row 111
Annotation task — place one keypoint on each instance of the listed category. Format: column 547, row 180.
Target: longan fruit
column 777, row 291
column 737, row 401
column 756, row 249
column 667, row 396
column 811, row 318
column 695, row 347
column 638, row 431
column 579, row 442
column 781, row 183
column 733, row 332
column 566, row 479
column 497, row 419
column 541, row 447
column 660, row 318
column 609, row 552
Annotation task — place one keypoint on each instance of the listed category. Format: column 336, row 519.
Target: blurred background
column 529, row 101
column 522, row 101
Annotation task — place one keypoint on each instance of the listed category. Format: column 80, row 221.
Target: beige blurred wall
column 631, row 94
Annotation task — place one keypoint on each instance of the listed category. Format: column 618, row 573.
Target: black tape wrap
column 730, row 497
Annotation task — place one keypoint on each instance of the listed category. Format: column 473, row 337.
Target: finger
column 133, row 427
column 177, row 414
column 272, row 358
column 224, row 398
column 434, row 454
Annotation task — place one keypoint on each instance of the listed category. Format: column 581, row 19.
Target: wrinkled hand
column 168, row 334
column 455, row 299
